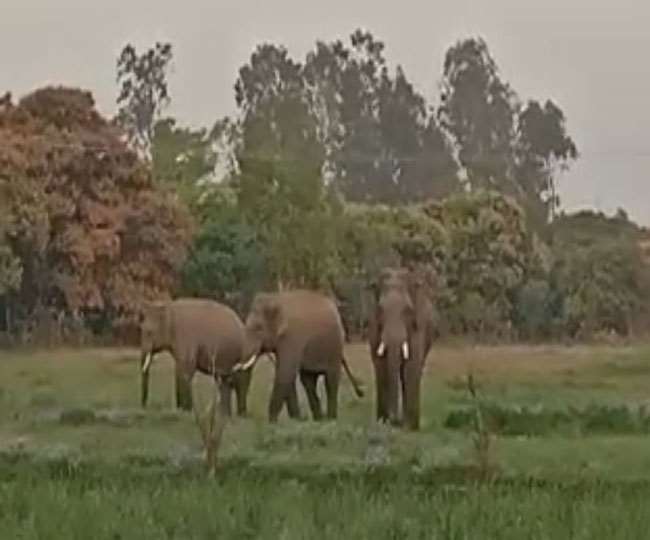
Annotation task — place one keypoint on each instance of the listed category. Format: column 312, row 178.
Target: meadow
column 569, row 452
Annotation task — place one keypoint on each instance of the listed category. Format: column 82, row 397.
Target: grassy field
column 75, row 445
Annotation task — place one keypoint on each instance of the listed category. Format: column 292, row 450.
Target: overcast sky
column 590, row 56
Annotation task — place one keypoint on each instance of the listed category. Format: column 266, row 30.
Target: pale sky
column 590, row 56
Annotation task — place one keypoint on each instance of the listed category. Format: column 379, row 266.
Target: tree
column 417, row 164
column 543, row 150
column 225, row 261
column 280, row 161
column 181, row 157
column 478, row 112
column 10, row 266
column 491, row 254
column 382, row 144
column 143, row 92
column 91, row 229
column 501, row 145
column 599, row 276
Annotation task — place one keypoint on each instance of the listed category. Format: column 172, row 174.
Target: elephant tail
column 356, row 383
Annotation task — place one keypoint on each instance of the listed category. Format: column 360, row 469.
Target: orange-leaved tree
column 91, row 229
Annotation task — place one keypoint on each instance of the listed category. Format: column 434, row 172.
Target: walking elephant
column 303, row 330
column 201, row 335
column 401, row 331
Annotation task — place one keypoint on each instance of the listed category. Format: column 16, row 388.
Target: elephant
column 303, row 330
column 238, row 381
column 202, row 335
column 401, row 330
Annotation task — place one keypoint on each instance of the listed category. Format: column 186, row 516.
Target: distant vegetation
column 333, row 166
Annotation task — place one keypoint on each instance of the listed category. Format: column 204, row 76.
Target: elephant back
column 207, row 324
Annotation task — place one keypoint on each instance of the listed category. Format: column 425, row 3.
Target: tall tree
column 280, row 162
column 500, row 144
column 181, row 157
column 543, row 150
column 417, row 164
column 382, row 143
column 478, row 112
column 92, row 230
column 143, row 93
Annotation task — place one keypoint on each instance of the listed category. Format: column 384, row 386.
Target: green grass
column 74, row 443
column 539, row 421
column 58, row 499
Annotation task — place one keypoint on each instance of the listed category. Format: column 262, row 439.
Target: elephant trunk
column 393, row 364
column 394, row 348
column 145, row 364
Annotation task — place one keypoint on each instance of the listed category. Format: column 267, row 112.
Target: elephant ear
column 156, row 314
column 274, row 316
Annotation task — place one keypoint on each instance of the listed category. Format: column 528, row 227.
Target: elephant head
column 265, row 324
column 261, row 333
column 155, row 336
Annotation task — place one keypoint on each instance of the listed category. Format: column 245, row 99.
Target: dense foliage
column 333, row 167
column 87, row 226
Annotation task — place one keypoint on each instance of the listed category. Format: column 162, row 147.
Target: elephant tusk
column 381, row 349
column 246, row 365
column 147, row 362
column 405, row 350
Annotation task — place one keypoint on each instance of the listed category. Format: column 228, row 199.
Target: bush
column 514, row 420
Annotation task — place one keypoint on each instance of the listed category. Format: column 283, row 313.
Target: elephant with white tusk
column 303, row 330
column 401, row 332
column 201, row 335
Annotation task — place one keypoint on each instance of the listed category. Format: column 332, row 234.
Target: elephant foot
column 413, row 425
column 184, row 406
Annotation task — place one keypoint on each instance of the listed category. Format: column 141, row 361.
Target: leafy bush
column 538, row 421
column 226, row 261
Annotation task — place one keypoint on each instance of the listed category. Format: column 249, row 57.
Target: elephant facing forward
column 401, row 332
column 201, row 335
column 303, row 330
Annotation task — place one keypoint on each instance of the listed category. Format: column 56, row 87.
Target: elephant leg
column 293, row 408
column 284, row 385
column 280, row 394
column 183, row 381
column 225, row 394
column 411, row 395
column 380, row 389
column 332, row 379
column 309, row 381
column 242, row 385
column 276, row 402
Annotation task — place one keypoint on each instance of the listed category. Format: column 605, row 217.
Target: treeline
column 333, row 167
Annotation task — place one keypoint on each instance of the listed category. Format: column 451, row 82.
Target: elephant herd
column 303, row 333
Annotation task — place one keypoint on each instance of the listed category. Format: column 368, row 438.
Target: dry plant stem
column 211, row 427
column 481, row 435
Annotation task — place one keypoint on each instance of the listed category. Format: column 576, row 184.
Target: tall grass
column 90, row 463
column 73, row 501
column 595, row 419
